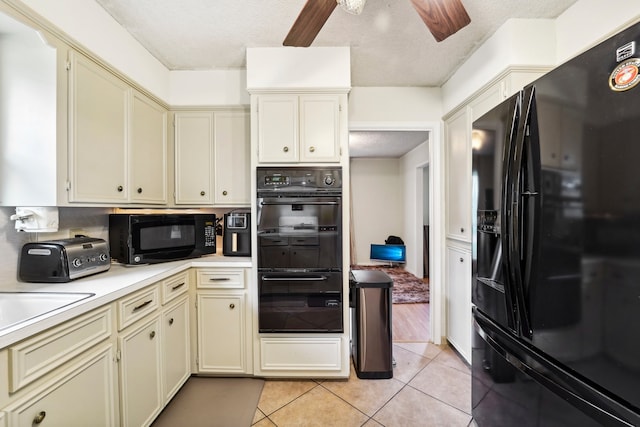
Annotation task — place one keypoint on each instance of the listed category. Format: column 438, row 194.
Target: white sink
column 17, row 307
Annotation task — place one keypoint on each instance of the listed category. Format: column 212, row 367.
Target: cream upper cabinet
column 212, row 158
column 194, row 157
column 148, row 149
column 232, row 166
column 458, row 175
column 299, row 128
column 117, row 139
column 99, row 107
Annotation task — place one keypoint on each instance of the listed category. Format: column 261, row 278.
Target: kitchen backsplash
column 94, row 222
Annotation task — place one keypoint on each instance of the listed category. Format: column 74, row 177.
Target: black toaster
column 63, row 260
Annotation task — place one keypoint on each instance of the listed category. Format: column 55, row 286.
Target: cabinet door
column 148, row 149
column 99, row 107
column 82, row 396
column 232, row 161
column 221, row 333
column 458, row 176
column 319, row 128
column 278, row 133
column 175, row 347
column 194, row 157
column 458, row 303
column 140, row 387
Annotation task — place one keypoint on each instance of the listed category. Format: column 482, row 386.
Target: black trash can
column 371, row 344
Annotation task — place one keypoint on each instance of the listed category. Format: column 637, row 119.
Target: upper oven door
column 299, row 232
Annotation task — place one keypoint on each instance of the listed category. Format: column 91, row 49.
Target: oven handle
column 297, row 203
column 292, row 278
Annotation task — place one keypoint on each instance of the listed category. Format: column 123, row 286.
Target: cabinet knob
column 224, row 193
column 461, row 259
column 232, row 306
column 202, row 193
column 120, row 188
column 171, row 321
column 152, row 335
column 312, row 149
column 285, row 149
column 139, row 190
column 462, row 230
column 39, row 418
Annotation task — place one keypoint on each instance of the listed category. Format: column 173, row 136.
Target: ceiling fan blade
column 308, row 24
column 443, row 17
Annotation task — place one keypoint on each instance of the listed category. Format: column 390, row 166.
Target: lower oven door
column 300, row 302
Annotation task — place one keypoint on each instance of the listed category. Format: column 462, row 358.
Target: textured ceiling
column 390, row 45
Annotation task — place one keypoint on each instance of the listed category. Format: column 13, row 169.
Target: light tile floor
column 431, row 386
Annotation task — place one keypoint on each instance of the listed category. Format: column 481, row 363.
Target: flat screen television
column 388, row 253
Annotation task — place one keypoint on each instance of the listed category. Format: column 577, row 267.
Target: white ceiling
column 389, row 43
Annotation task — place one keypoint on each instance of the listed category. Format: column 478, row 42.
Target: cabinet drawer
column 136, row 306
column 221, row 278
column 303, row 354
column 174, row 286
column 36, row 356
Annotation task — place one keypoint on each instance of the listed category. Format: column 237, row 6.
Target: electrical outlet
column 73, row 232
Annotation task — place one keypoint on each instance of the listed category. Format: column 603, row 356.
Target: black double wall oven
column 299, row 231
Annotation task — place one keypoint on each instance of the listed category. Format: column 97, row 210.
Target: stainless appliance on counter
column 556, row 281
column 299, row 233
column 63, row 260
column 153, row 238
column 236, row 237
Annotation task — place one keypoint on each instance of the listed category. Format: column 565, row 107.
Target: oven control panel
column 299, row 179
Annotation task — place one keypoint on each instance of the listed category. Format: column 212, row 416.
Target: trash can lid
column 370, row 279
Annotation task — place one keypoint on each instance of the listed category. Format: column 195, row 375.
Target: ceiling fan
column 442, row 17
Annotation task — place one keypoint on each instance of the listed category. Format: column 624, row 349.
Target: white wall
column 588, row 22
column 411, row 169
column 394, row 107
column 377, row 204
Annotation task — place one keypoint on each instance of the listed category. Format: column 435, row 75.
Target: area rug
column 213, row 402
column 407, row 288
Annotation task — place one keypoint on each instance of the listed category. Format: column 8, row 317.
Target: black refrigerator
column 556, row 255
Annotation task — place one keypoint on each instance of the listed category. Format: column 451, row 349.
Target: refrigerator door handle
column 522, row 228
column 505, row 212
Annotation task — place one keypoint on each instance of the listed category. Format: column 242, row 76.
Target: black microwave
column 153, row 238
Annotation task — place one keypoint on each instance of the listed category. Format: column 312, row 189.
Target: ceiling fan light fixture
column 352, row 6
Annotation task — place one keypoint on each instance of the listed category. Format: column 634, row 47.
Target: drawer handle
column 152, row 335
column 219, row 279
column 143, row 305
column 40, row 417
column 232, row 306
column 171, row 321
column 178, row 286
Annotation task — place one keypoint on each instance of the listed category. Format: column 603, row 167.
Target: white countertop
column 107, row 286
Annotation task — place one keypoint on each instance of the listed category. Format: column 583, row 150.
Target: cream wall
column 377, row 204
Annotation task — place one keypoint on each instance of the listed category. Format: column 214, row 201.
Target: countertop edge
column 107, row 286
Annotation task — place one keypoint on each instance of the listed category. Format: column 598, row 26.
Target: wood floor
column 410, row 322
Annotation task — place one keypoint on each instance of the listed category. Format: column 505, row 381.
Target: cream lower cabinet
column 82, row 395
column 458, row 299
column 224, row 339
column 140, row 373
column 49, row 375
column 153, row 348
